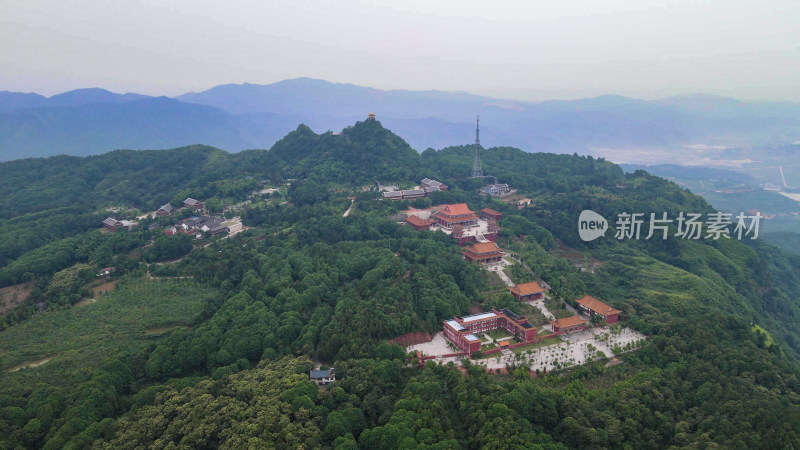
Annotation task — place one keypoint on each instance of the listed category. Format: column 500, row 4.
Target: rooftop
column 481, row 316
column 457, row 210
column 416, row 220
column 455, row 325
column 597, row 306
column 527, row 288
column 321, row 373
column 484, row 247
column 471, row 337
column 492, row 212
column 570, row 321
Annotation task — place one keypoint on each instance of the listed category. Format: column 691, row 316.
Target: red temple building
column 418, row 223
column 483, row 252
column 528, row 291
column 460, row 330
column 568, row 324
column 453, row 215
column 490, row 214
column 594, row 306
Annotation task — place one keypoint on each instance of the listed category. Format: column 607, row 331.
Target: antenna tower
column 477, row 171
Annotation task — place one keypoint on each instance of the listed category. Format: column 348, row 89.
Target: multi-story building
column 455, row 215
column 461, row 330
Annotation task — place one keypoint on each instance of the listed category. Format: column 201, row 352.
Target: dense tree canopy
column 214, row 350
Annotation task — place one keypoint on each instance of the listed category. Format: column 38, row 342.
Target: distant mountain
column 10, row 101
column 90, row 96
column 558, row 126
column 241, row 116
column 149, row 123
column 13, row 101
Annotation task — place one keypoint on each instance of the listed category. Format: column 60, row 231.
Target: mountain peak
column 86, row 96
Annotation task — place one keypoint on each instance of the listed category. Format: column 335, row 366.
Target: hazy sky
column 520, row 49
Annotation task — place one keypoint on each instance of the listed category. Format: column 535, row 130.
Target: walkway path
column 499, row 270
column 347, row 213
column 540, row 304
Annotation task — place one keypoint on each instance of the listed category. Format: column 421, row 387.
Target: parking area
column 437, row 346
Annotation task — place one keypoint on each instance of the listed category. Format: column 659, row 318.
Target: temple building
column 528, row 291
column 419, row 223
column 593, row 306
column 490, row 214
column 483, row 252
column 455, row 215
column 569, row 324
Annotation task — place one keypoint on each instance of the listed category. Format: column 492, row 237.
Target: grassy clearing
column 499, row 333
column 114, row 326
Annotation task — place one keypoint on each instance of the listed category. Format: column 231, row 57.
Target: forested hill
column 207, row 343
column 363, row 153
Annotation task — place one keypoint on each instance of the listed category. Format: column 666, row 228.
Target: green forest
column 209, row 343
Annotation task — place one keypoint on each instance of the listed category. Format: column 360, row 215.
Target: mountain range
column 243, row 116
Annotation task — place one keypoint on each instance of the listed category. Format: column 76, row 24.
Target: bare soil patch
column 12, row 296
column 30, row 364
column 408, row 339
column 162, row 330
column 85, row 302
column 108, row 286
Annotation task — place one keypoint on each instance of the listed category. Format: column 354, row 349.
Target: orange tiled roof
column 457, row 210
column 566, row 322
column 527, row 288
column 492, row 212
column 484, row 247
column 597, row 306
column 418, row 221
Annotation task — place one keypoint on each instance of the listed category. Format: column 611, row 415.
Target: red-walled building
column 418, row 223
column 490, row 214
column 112, row 224
column 433, row 185
column 194, row 204
column 455, row 215
column 483, row 252
column 568, row 324
column 459, row 330
column 461, row 337
column 165, row 210
column 594, row 306
column 528, row 291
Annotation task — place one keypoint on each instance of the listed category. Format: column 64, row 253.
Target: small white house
column 323, row 377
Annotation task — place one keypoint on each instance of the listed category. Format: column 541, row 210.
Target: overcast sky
column 529, row 50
